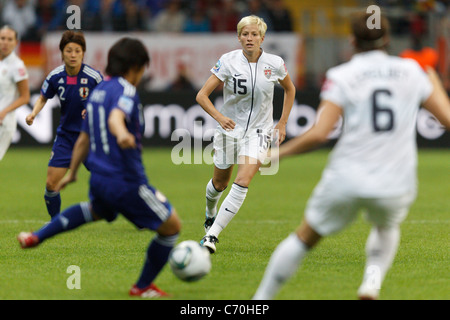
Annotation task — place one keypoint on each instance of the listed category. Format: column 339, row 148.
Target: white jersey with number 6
column 380, row 96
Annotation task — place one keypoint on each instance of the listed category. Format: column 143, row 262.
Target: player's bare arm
column 288, row 102
column 203, row 100
column 116, row 124
column 24, row 98
column 38, row 106
column 328, row 115
column 438, row 103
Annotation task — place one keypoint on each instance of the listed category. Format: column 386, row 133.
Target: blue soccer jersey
column 106, row 158
column 73, row 92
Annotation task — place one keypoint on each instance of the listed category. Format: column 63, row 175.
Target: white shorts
column 329, row 210
column 229, row 150
column 5, row 140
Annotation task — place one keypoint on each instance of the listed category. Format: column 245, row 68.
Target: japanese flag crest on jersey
column 84, row 92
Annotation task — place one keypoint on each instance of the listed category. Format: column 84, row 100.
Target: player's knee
column 50, row 185
column 220, row 185
column 308, row 235
column 243, row 181
column 171, row 226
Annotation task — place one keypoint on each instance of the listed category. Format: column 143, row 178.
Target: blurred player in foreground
column 14, row 89
column 245, row 128
column 111, row 138
column 72, row 81
column 374, row 164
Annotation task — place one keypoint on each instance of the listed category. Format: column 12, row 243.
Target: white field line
column 22, row 221
column 17, row 221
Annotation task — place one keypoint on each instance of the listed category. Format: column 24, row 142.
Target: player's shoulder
column 128, row 89
column 55, row 73
column 92, row 73
column 408, row 64
column 123, row 94
column 124, row 88
column 271, row 57
column 15, row 60
column 232, row 55
column 16, row 65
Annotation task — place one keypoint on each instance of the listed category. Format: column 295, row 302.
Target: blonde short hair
column 249, row 20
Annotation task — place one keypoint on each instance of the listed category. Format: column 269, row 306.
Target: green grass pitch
column 110, row 255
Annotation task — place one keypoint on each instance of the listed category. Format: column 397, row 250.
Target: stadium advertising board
column 170, row 116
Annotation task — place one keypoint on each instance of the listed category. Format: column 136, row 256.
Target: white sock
column 228, row 209
column 212, row 198
column 283, row 263
column 381, row 248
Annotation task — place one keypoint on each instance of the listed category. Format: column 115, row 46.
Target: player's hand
column 69, row 178
column 126, row 141
column 83, row 114
column 29, row 119
column 227, row 123
column 280, row 129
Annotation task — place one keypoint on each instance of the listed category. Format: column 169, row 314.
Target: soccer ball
column 190, row 261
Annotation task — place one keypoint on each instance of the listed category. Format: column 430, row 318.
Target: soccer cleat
column 27, row 240
column 210, row 243
column 151, row 291
column 368, row 293
column 208, row 222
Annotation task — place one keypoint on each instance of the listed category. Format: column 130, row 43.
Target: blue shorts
column 62, row 149
column 141, row 204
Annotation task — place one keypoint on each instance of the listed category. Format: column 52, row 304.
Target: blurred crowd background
column 322, row 24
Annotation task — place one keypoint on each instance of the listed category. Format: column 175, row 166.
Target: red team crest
column 268, row 73
column 327, row 85
column 22, row 72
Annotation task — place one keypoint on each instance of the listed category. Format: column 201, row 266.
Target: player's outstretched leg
column 69, row 219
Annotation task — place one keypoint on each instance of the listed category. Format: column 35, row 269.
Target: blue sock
column 157, row 256
column 69, row 219
column 53, row 202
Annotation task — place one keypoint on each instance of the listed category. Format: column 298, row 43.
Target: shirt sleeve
column 20, row 72
column 424, row 84
column 47, row 89
column 220, row 69
column 126, row 104
column 281, row 71
column 332, row 90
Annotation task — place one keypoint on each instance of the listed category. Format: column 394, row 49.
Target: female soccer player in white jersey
column 373, row 165
column 245, row 120
column 14, row 89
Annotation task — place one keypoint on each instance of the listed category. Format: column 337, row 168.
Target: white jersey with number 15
column 248, row 90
